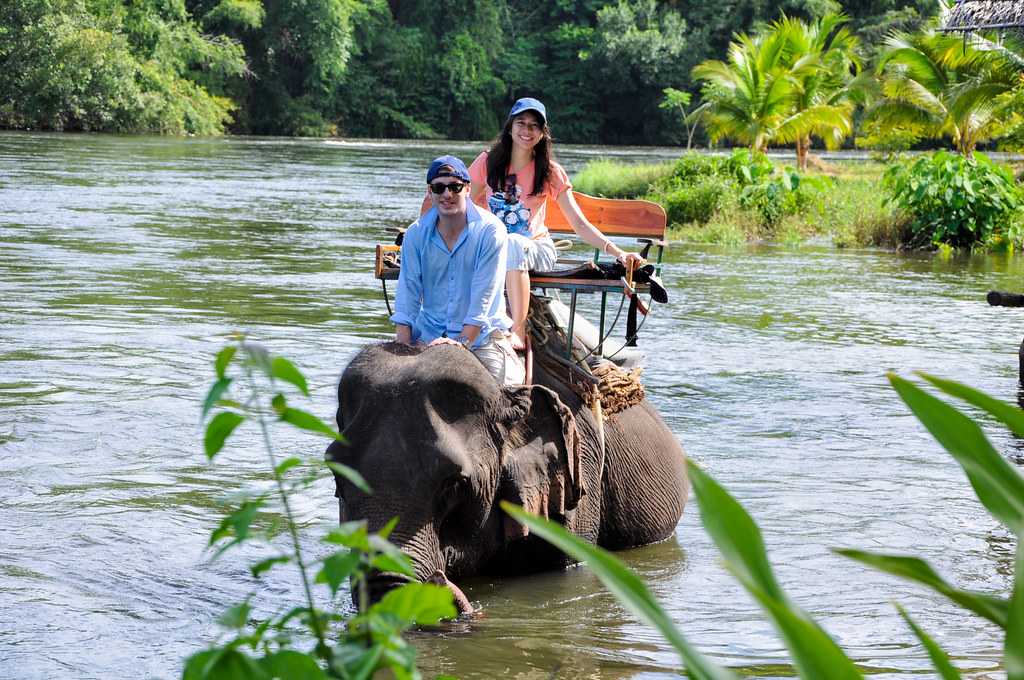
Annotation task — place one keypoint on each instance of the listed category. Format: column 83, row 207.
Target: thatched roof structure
column 985, row 15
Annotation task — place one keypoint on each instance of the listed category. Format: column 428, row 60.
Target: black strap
column 631, row 322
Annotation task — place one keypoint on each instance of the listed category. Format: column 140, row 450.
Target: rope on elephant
column 619, row 388
column 616, row 388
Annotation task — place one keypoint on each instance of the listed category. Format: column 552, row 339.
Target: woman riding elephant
column 441, row 443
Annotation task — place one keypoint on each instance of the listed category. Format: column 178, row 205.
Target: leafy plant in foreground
column 303, row 641
column 999, row 486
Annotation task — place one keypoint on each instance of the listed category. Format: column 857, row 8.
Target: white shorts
column 500, row 360
column 527, row 254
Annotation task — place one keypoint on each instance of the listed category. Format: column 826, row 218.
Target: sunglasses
column 439, row 187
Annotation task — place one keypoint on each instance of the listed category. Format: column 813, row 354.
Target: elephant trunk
column 423, row 546
column 462, row 604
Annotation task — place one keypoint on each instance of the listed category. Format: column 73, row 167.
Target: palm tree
column 750, row 95
column 787, row 84
column 823, row 62
column 943, row 85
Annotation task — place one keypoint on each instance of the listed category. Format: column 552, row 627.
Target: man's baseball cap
column 458, row 169
column 529, row 104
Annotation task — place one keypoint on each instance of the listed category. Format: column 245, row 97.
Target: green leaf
column 337, row 568
column 353, row 477
column 196, row 665
column 238, row 522
column 739, row 540
column 217, row 390
column 1014, row 645
column 1008, row 414
column 992, row 608
column 388, row 528
column 265, row 565
column 400, row 658
column 222, row 664
column 358, row 663
column 285, row 370
column 734, row 532
column 219, row 429
column 814, row 653
column 421, row 603
column 258, row 356
column 236, row 617
column 940, row 660
column 287, row 464
column 307, row 421
column 397, row 563
column 999, row 487
column 292, row 665
column 352, row 535
column 224, row 358
column 625, row 585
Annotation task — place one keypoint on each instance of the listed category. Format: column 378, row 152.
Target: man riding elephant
column 452, row 282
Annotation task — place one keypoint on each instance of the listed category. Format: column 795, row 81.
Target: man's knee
column 500, row 360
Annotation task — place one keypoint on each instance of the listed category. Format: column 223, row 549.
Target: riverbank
column 840, row 202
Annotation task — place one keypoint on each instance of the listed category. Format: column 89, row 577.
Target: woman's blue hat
column 529, row 104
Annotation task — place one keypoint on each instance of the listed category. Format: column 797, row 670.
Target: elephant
column 441, row 443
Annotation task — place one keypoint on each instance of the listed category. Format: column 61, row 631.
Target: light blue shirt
column 439, row 290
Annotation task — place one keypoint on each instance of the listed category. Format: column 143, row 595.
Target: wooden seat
column 643, row 220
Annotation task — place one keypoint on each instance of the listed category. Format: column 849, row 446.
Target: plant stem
column 315, row 622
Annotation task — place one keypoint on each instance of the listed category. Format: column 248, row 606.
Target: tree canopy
column 376, row 68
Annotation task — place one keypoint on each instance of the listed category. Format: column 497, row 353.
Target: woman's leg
column 517, row 287
column 525, row 255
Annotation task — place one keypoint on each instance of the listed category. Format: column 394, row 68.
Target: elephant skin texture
column 441, row 443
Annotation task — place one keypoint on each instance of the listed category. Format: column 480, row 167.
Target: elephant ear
column 541, row 467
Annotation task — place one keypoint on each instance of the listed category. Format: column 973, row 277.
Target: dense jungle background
column 369, row 68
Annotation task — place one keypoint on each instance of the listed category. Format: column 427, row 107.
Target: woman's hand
column 627, row 258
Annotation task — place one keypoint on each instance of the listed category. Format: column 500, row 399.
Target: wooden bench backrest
column 613, row 216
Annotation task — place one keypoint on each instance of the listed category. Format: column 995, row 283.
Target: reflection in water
column 125, row 263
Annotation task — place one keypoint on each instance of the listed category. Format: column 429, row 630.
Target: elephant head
column 441, row 443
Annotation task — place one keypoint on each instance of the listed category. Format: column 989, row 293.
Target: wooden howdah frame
column 644, row 221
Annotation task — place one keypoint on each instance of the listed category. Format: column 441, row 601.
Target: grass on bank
column 847, row 208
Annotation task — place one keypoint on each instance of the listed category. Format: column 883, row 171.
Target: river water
column 125, row 264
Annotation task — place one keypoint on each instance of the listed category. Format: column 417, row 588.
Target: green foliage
column 951, row 199
column 616, row 180
column 769, row 192
column 936, row 85
column 786, row 83
column 104, row 66
column 696, row 203
column 784, row 193
column 738, row 538
column 938, row 656
column 695, row 167
column 749, row 166
column 625, row 585
column 611, row 71
column 999, row 486
column 324, row 644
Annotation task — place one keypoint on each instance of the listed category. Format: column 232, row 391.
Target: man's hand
column 445, row 341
